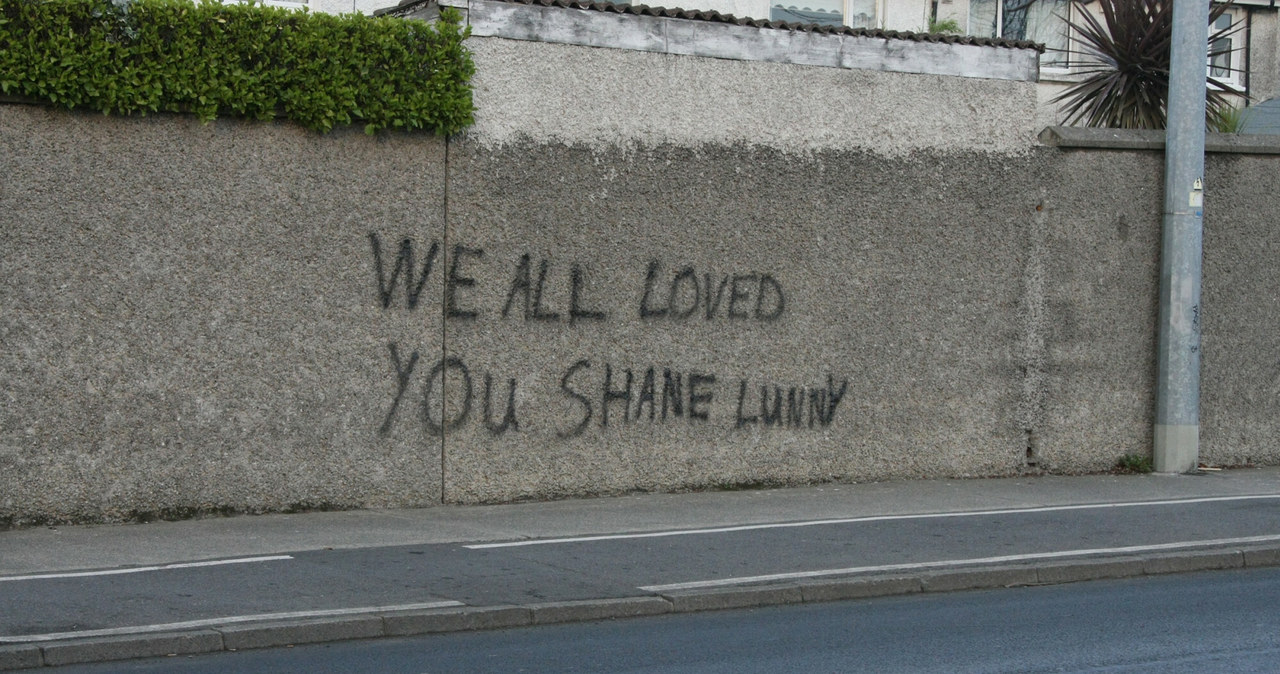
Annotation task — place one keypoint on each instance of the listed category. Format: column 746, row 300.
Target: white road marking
column 230, row 620
column 141, row 569
column 799, row 575
column 871, row 518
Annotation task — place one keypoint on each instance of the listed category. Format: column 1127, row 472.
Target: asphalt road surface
column 599, row 567
column 1223, row 621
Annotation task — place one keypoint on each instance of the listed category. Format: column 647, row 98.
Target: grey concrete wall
column 607, row 98
column 186, row 318
column 221, row 318
column 1094, row 277
column 1241, row 297
column 894, row 323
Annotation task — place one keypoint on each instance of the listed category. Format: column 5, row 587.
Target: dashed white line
column 920, row 566
column 229, row 620
column 870, row 518
column 143, row 569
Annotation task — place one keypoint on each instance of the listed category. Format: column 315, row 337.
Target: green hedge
column 242, row 60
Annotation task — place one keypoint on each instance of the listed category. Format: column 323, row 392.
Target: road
column 1224, row 621
column 104, row 593
column 88, row 603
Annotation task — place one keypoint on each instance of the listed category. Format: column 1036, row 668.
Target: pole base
column 1177, row 448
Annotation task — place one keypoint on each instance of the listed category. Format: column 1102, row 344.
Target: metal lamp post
column 1177, row 427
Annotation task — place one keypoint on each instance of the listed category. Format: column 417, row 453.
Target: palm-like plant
column 1126, row 76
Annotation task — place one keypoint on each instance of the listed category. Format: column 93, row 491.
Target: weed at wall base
column 1134, row 463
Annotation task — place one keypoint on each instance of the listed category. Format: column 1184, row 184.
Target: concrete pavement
column 96, row 593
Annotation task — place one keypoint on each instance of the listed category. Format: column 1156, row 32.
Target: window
column 1042, row 21
column 1225, row 58
column 822, row 12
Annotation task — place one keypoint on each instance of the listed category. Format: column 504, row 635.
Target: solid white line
column 871, row 518
column 141, row 569
column 231, row 620
column 798, row 575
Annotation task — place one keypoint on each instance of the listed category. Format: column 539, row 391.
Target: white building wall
column 956, row 10
column 912, row 15
column 348, row 6
column 755, row 9
column 1264, row 65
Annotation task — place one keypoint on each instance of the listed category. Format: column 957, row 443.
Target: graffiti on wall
column 597, row 393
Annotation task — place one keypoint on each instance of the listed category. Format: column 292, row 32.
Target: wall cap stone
column 684, row 36
column 1079, row 137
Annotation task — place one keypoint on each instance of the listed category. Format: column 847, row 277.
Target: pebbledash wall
column 642, row 269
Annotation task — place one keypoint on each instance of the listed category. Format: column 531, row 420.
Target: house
column 1248, row 59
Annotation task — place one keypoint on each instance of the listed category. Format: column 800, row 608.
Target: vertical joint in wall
column 444, row 326
column 1033, row 354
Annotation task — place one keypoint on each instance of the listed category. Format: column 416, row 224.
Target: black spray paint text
column 600, row 394
column 661, row 294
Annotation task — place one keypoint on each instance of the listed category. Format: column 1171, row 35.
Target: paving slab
column 726, row 598
column 1090, row 569
column 858, row 588
column 1197, row 560
column 1268, row 556
column 456, row 620
column 602, row 609
column 968, row 579
column 291, row 632
column 20, row 657
column 128, row 646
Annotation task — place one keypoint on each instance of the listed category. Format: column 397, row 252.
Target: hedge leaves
column 240, row 60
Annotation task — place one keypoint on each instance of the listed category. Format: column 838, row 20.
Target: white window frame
column 1051, row 69
column 1235, row 59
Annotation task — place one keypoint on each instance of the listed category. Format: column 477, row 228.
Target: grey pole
column 1177, row 429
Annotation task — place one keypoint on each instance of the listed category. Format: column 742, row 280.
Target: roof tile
column 713, row 16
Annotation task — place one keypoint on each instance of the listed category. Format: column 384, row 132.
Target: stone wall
column 249, row 317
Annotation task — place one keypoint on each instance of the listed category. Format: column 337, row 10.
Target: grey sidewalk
column 842, row 541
